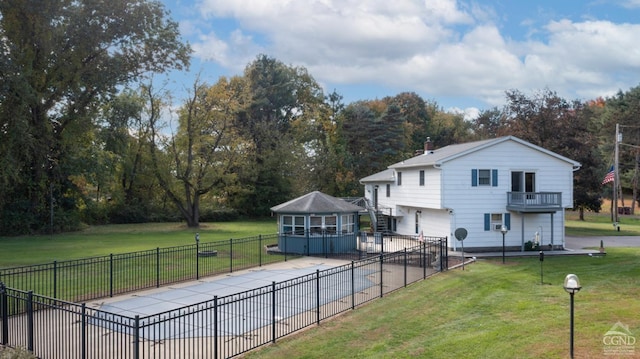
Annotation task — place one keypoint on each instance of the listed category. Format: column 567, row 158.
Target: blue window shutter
column 494, row 178
column 474, row 178
column 487, row 221
column 507, row 220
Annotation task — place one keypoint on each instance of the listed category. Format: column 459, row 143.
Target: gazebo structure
column 317, row 223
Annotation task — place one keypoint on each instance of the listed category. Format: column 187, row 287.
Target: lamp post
column 571, row 285
column 504, row 231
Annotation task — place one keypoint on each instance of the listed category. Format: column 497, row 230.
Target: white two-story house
column 479, row 186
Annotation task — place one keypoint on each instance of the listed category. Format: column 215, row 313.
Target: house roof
column 452, row 152
column 316, row 202
column 387, row 175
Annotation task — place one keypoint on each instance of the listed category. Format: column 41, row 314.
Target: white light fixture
column 571, row 283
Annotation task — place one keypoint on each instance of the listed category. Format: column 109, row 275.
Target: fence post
column 260, row 250
column 273, row 311
column 353, row 286
column 30, row 321
column 55, row 279
column 230, row 255
column 444, row 254
column 381, row 268
column 405, row 266
column 318, row 296
column 215, row 327
column 84, row 331
column 424, row 260
column 197, row 258
column 157, row 267
column 4, row 314
column 111, row 275
column 136, row 337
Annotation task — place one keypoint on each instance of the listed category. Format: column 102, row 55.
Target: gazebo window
column 323, row 224
column 347, row 223
column 293, row 225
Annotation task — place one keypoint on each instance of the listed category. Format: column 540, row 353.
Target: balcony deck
column 534, row 202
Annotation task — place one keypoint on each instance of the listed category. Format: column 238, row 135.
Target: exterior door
column 522, row 181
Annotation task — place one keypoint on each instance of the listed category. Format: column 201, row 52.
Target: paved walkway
column 608, row 241
column 573, row 246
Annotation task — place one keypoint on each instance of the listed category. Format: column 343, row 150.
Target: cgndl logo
column 619, row 340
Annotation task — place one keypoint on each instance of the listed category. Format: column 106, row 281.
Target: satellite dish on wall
column 460, row 234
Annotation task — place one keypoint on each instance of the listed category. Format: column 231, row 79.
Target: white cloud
column 469, row 113
column 433, row 47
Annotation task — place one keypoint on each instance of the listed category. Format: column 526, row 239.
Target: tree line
column 86, row 136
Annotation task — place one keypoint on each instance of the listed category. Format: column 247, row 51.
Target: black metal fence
column 220, row 328
column 105, row 276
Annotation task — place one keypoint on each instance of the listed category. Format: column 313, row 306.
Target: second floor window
column 399, row 178
column 422, row 178
column 484, row 177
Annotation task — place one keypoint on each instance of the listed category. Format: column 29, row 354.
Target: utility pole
column 616, row 176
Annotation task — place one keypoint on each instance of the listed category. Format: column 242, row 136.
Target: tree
column 61, row 58
column 623, row 110
column 416, row 120
column 566, row 128
column 206, row 152
column 283, row 100
column 374, row 139
column 124, row 174
column 489, row 124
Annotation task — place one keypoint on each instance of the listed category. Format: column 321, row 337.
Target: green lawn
column 121, row 238
column 600, row 225
column 489, row 310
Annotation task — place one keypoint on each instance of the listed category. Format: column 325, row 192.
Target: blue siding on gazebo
column 318, row 244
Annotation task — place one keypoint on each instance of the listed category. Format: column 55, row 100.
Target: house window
column 388, row 190
column 399, row 178
column 422, row 178
column 293, row 225
column 323, row 224
column 494, row 221
column 347, row 223
column 484, row 177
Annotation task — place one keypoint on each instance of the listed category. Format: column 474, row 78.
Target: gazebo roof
column 316, row 202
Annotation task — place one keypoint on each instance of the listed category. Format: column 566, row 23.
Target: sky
column 463, row 55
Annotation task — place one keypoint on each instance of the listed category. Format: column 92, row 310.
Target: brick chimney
column 428, row 146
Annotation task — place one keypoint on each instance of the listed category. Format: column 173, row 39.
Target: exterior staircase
column 379, row 221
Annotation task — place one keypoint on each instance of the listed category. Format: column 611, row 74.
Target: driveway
column 607, row 241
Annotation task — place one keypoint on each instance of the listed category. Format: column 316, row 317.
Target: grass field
column 120, row 238
column 489, row 310
column 105, row 240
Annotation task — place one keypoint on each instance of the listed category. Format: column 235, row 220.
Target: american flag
column 609, row 177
